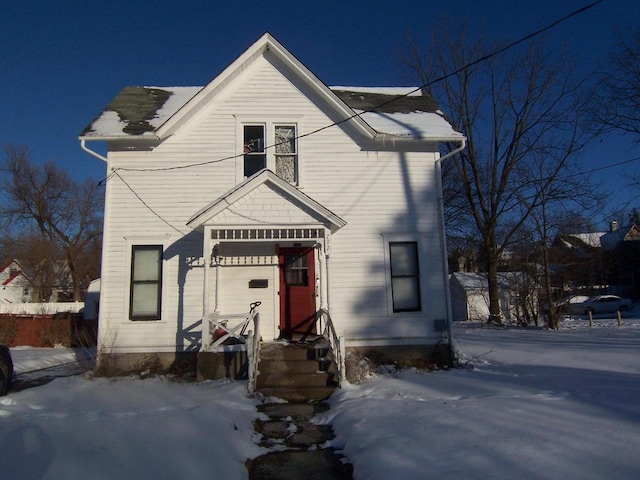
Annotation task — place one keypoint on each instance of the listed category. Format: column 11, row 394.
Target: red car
column 6, row 369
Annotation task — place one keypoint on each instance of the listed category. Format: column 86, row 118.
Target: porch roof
column 287, row 193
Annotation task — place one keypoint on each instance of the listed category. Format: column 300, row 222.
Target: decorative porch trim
column 249, row 234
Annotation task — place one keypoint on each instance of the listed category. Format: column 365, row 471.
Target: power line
column 355, row 115
column 492, row 54
column 147, row 206
column 604, row 167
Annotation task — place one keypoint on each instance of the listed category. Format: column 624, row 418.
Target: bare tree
column 616, row 96
column 617, row 92
column 67, row 215
column 557, row 201
column 513, row 109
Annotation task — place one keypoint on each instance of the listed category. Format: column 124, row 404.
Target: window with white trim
column 255, row 158
column 146, row 282
column 286, row 155
column 273, row 146
column 405, row 276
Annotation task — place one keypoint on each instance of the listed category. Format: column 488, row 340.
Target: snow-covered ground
column 532, row 403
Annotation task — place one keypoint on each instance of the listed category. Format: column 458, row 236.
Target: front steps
column 295, row 372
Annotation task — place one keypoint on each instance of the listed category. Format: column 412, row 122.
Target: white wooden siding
column 375, row 192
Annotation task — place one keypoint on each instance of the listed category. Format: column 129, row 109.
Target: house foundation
column 362, row 360
column 227, row 364
column 117, row 364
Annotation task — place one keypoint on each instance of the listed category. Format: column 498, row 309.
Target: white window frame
column 269, row 124
column 404, row 238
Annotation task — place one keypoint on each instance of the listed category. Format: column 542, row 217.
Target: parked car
column 599, row 304
column 6, row 369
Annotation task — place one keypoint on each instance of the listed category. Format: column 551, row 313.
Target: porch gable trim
column 264, row 177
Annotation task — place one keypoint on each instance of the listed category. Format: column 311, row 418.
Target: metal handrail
column 336, row 343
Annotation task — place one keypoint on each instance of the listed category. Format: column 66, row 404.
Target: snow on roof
column 405, row 91
column 179, row 97
column 399, row 111
column 588, row 239
column 414, row 124
column 478, row 281
column 139, row 111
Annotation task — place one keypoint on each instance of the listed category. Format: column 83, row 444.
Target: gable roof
column 157, row 112
column 605, row 240
column 611, row 240
column 275, row 183
column 580, row 240
column 11, row 276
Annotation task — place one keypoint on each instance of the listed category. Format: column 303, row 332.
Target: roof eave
column 116, row 138
column 385, row 137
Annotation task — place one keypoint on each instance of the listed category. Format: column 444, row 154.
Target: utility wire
column 494, row 53
column 355, row 115
column 146, row 204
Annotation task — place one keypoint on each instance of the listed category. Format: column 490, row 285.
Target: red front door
column 297, row 293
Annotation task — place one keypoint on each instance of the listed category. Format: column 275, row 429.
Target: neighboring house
column 16, row 286
column 470, row 297
column 267, row 185
column 619, row 237
column 92, row 301
column 599, row 262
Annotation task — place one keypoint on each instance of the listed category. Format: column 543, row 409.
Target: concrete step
column 284, row 351
column 298, row 394
column 295, row 372
column 289, row 379
column 296, row 366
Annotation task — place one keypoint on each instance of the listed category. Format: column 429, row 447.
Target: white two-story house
column 266, row 185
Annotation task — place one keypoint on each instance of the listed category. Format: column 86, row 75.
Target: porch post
column 206, row 253
column 322, row 258
column 326, row 250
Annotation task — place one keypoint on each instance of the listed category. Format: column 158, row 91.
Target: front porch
column 307, row 368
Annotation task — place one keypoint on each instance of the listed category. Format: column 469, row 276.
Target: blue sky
column 63, row 61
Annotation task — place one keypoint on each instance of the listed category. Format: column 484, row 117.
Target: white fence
column 41, row 308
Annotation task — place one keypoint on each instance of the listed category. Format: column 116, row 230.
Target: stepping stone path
column 299, row 449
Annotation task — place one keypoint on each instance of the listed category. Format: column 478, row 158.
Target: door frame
column 308, row 323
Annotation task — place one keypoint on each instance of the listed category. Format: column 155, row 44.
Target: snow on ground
column 531, row 403
column 78, row 427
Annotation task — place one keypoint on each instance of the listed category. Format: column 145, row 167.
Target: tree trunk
column 551, row 310
column 495, row 315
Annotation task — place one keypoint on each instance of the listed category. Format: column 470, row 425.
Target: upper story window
column 255, row 158
column 273, row 146
column 286, row 153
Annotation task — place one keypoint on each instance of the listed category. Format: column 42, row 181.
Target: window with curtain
column 286, row 153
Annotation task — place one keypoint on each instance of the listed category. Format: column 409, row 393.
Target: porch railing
column 336, row 343
column 233, row 332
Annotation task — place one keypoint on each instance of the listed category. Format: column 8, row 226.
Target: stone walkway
column 299, row 448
